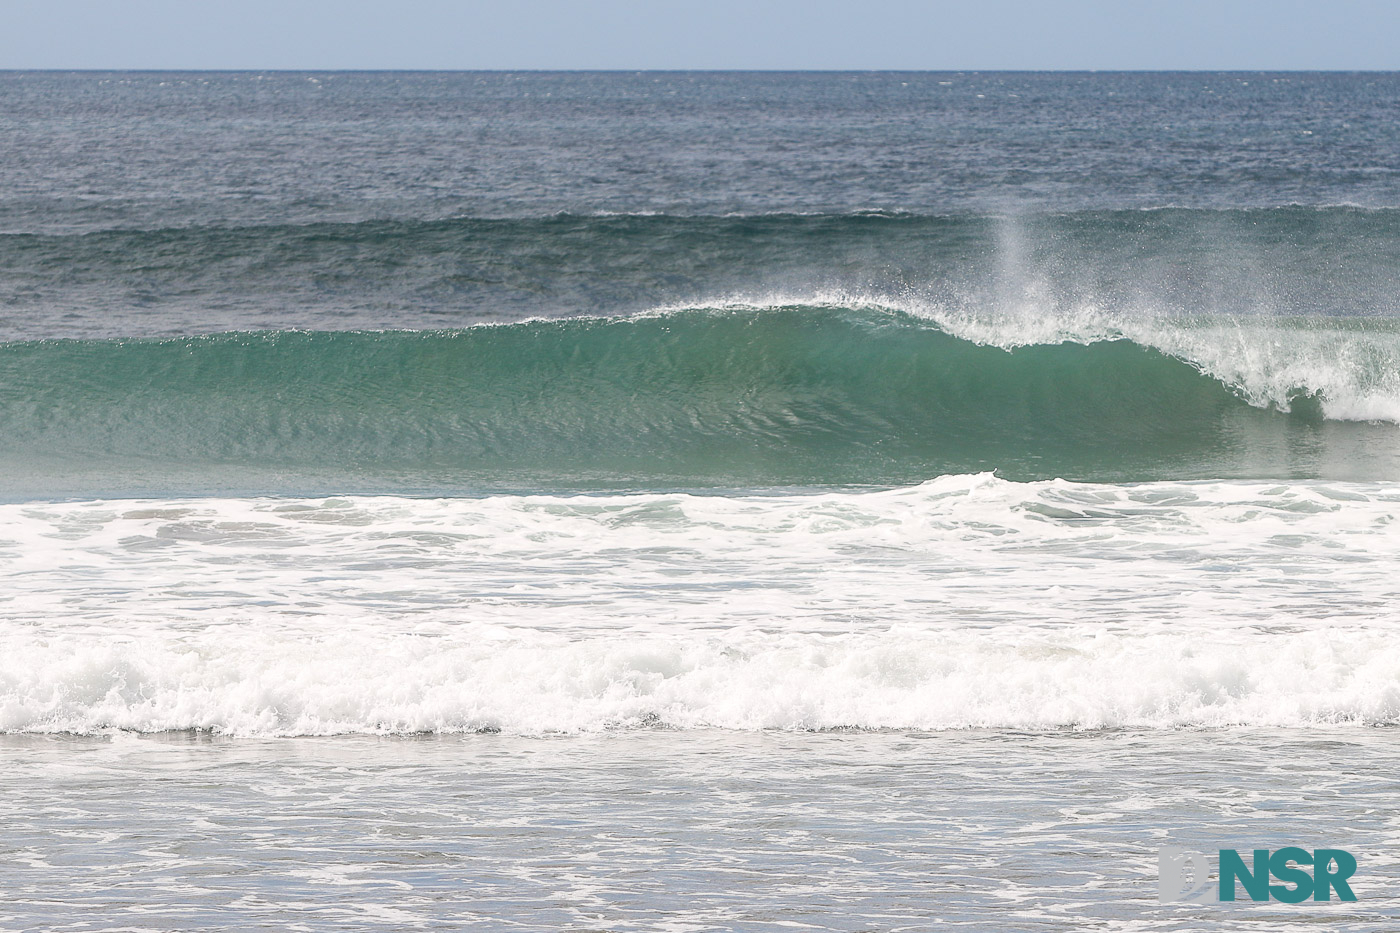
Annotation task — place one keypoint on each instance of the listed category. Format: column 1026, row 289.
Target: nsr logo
column 1184, row 876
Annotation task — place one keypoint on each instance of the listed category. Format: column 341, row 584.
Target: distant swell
column 1328, row 262
column 782, row 395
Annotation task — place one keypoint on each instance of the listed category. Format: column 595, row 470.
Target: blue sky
column 620, row 34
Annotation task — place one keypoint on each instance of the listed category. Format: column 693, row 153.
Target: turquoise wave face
column 779, row 396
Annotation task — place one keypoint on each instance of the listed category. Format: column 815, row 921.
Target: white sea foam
column 967, row 601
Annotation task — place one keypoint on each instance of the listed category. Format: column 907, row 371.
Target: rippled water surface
column 680, row 831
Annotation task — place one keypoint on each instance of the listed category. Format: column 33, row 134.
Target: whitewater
column 967, row 601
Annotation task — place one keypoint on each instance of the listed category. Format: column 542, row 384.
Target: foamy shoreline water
column 988, row 830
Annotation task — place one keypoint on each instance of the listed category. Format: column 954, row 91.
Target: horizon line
column 305, row 70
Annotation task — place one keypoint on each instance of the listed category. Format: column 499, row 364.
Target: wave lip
column 709, row 397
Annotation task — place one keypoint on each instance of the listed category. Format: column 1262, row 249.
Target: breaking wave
column 736, row 396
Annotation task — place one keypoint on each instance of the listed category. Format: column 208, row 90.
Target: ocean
column 694, row 501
